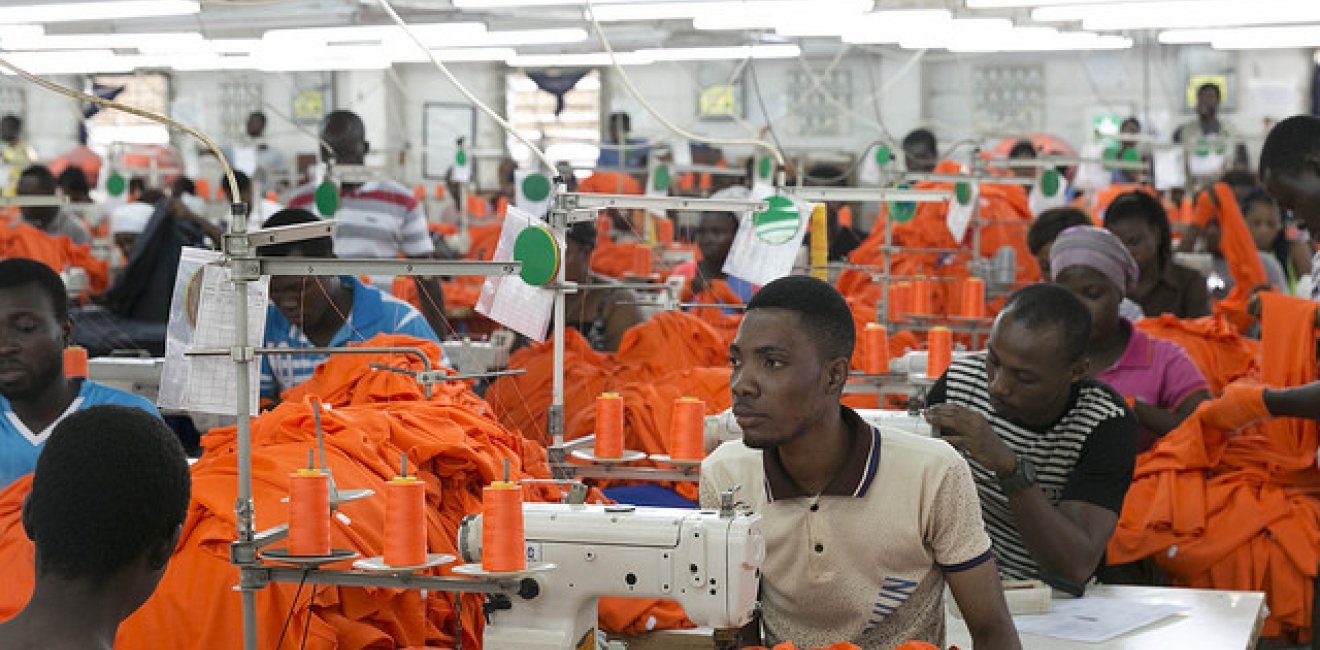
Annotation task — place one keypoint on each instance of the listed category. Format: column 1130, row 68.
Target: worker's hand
column 1241, row 404
column 970, row 433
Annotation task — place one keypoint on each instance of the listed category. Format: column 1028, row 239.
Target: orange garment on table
column 501, row 205
column 1214, row 345
column 477, row 208
column 462, row 291
column 482, row 240
column 788, row 645
column 19, row 239
column 603, row 182
column 715, row 292
column 1241, row 511
column 521, row 401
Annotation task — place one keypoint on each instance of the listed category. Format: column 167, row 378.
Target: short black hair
column 314, row 247
column 1140, row 205
column 1130, row 120
column 111, row 483
column 244, row 183
column 824, row 313
column 1050, row 305
column 74, row 180
column 43, row 176
column 1022, row 149
column 582, row 232
column 1257, row 195
column 19, row 272
column 1288, row 144
column 183, row 185
column 1210, row 85
column 137, row 184
column 919, row 137
column 1046, row 228
column 10, row 118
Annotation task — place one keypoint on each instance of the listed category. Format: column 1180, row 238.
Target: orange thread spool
column 75, row 362
column 973, row 298
column 202, row 187
column 309, row 513
column 439, row 190
column 419, row 192
column 900, row 300
column 687, row 429
column 502, row 547
column 920, row 296
column 641, row 260
column 405, row 522
column 939, row 350
column 875, row 344
column 272, row 197
column 609, row 426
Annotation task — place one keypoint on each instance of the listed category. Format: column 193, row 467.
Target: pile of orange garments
column 371, row 418
column 19, row 239
column 715, row 292
column 1219, row 352
column 1238, row 511
column 788, row 645
column 672, row 355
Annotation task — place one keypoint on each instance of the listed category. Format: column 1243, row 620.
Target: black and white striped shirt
column 1087, row 455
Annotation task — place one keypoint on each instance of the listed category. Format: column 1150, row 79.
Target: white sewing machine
column 706, row 560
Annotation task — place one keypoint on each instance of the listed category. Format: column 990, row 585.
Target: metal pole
column 559, row 222
column 241, row 354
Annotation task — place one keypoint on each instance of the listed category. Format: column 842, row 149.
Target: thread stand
column 376, row 564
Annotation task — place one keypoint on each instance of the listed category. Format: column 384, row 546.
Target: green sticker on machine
column 779, row 222
column 763, row 168
column 1049, row 182
column 536, row 248
column 460, row 158
column 536, row 187
column 115, row 185
column 327, row 199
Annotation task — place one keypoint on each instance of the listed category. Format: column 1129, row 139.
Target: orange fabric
column 1239, row 251
column 482, row 241
column 501, row 205
column 1102, row 198
column 1219, row 352
column 715, row 292
column 18, row 239
column 788, row 645
column 460, row 292
column 477, row 207
column 452, row 445
column 610, row 183
column 1241, row 511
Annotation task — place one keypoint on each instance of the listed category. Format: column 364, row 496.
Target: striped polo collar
column 852, row 480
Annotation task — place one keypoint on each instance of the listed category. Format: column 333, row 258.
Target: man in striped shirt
column 316, row 311
column 377, row 219
column 1051, row 450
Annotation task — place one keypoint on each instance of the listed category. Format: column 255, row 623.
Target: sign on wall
column 443, row 124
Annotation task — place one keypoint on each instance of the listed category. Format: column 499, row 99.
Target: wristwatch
column 1023, row 477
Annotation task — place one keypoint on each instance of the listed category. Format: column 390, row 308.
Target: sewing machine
column 706, row 560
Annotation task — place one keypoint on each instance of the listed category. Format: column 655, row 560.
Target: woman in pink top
column 1157, row 378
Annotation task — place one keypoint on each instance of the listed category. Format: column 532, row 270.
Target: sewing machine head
column 706, row 560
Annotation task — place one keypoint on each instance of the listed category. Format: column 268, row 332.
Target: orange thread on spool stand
column 939, row 351
column 875, row 342
column 920, row 296
column 405, row 522
column 900, row 300
column 609, row 426
column 973, row 298
column 309, row 513
column 687, row 429
column 75, row 362
column 502, row 547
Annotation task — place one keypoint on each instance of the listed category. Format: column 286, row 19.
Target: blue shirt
column 637, row 152
column 19, row 446
column 374, row 312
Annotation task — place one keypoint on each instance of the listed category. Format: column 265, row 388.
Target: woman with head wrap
column 1157, row 378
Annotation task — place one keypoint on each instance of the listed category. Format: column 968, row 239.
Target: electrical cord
column 504, row 124
column 292, row 606
column 632, row 90
column 760, row 101
column 131, row 110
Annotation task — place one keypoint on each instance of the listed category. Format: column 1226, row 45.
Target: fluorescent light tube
column 120, row 9
column 1165, row 14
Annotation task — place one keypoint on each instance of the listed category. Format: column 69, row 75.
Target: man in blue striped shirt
column 318, row 311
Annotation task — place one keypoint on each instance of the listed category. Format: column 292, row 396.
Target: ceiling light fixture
column 79, row 11
column 1165, row 14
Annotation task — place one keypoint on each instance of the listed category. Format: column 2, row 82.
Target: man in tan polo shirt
column 863, row 528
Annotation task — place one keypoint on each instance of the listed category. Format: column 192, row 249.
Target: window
column 573, row 135
column 149, row 91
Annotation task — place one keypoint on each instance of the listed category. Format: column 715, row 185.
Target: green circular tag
column 115, row 185
column 327, row 199
column 660, row 178
column 779, row 222
column 763, row 168
column 460, row 158
column 1049, row 183
column 963, row 191
column 902, row 212
column 536, row 187
column 538, row 251
column 883, row 155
